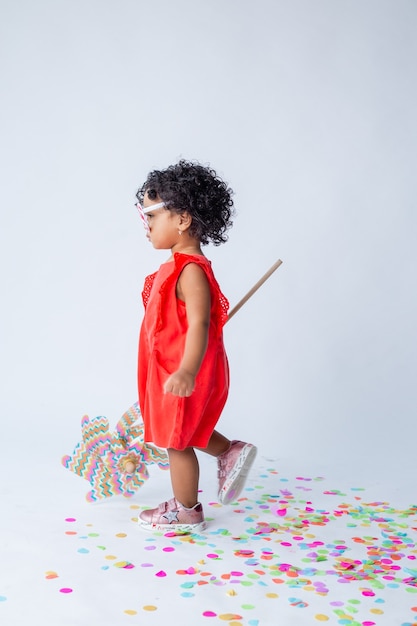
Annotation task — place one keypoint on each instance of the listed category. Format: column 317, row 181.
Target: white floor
column 306, row 543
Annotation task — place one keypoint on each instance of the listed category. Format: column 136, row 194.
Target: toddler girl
column 183, row 375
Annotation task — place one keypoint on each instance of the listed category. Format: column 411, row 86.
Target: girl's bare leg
column 217, row 444
column 185, row 473
column 185, row 470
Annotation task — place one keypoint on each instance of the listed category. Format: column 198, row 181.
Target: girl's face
column 163, row 224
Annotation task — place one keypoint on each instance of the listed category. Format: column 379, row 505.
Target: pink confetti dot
column 168, row 549
column 209, row 614
column 66, row 590
column 161, row 574
column 70, row 519
column 212, row 556
column 284, row 567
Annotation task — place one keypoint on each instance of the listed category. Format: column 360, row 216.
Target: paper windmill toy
column 114, row 463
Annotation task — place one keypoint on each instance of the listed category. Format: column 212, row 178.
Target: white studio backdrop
column 307, row 109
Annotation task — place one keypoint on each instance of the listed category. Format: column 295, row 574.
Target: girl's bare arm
column 193, row 288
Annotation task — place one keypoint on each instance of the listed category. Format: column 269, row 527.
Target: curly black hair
column 192, row 187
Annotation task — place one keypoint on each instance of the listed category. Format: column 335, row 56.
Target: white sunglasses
column 143, row 212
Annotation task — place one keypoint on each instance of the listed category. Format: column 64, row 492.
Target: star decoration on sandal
column 171, row 516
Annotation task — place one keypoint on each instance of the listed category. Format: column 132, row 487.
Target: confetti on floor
column 289, row 548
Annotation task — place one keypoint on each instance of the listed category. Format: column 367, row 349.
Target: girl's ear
column 185, row 219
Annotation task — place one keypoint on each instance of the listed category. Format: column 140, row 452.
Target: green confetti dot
column 351, row 609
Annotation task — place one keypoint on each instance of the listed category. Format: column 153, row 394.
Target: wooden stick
column 254, row 288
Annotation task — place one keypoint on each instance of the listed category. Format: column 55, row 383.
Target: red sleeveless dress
column 171, row 421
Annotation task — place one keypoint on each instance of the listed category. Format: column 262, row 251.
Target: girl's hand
column 180, row 383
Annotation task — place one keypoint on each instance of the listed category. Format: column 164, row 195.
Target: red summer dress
column 171, row 421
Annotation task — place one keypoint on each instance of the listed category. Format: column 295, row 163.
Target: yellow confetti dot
column 231, row 592
column 149, row 607
column 110, row 557
column 49, row 575
column 134, row 506
column 121, row 535
column 377, row 611
column 321, row 618
column 227, row 617
column 130, row 612
column 272, row 595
